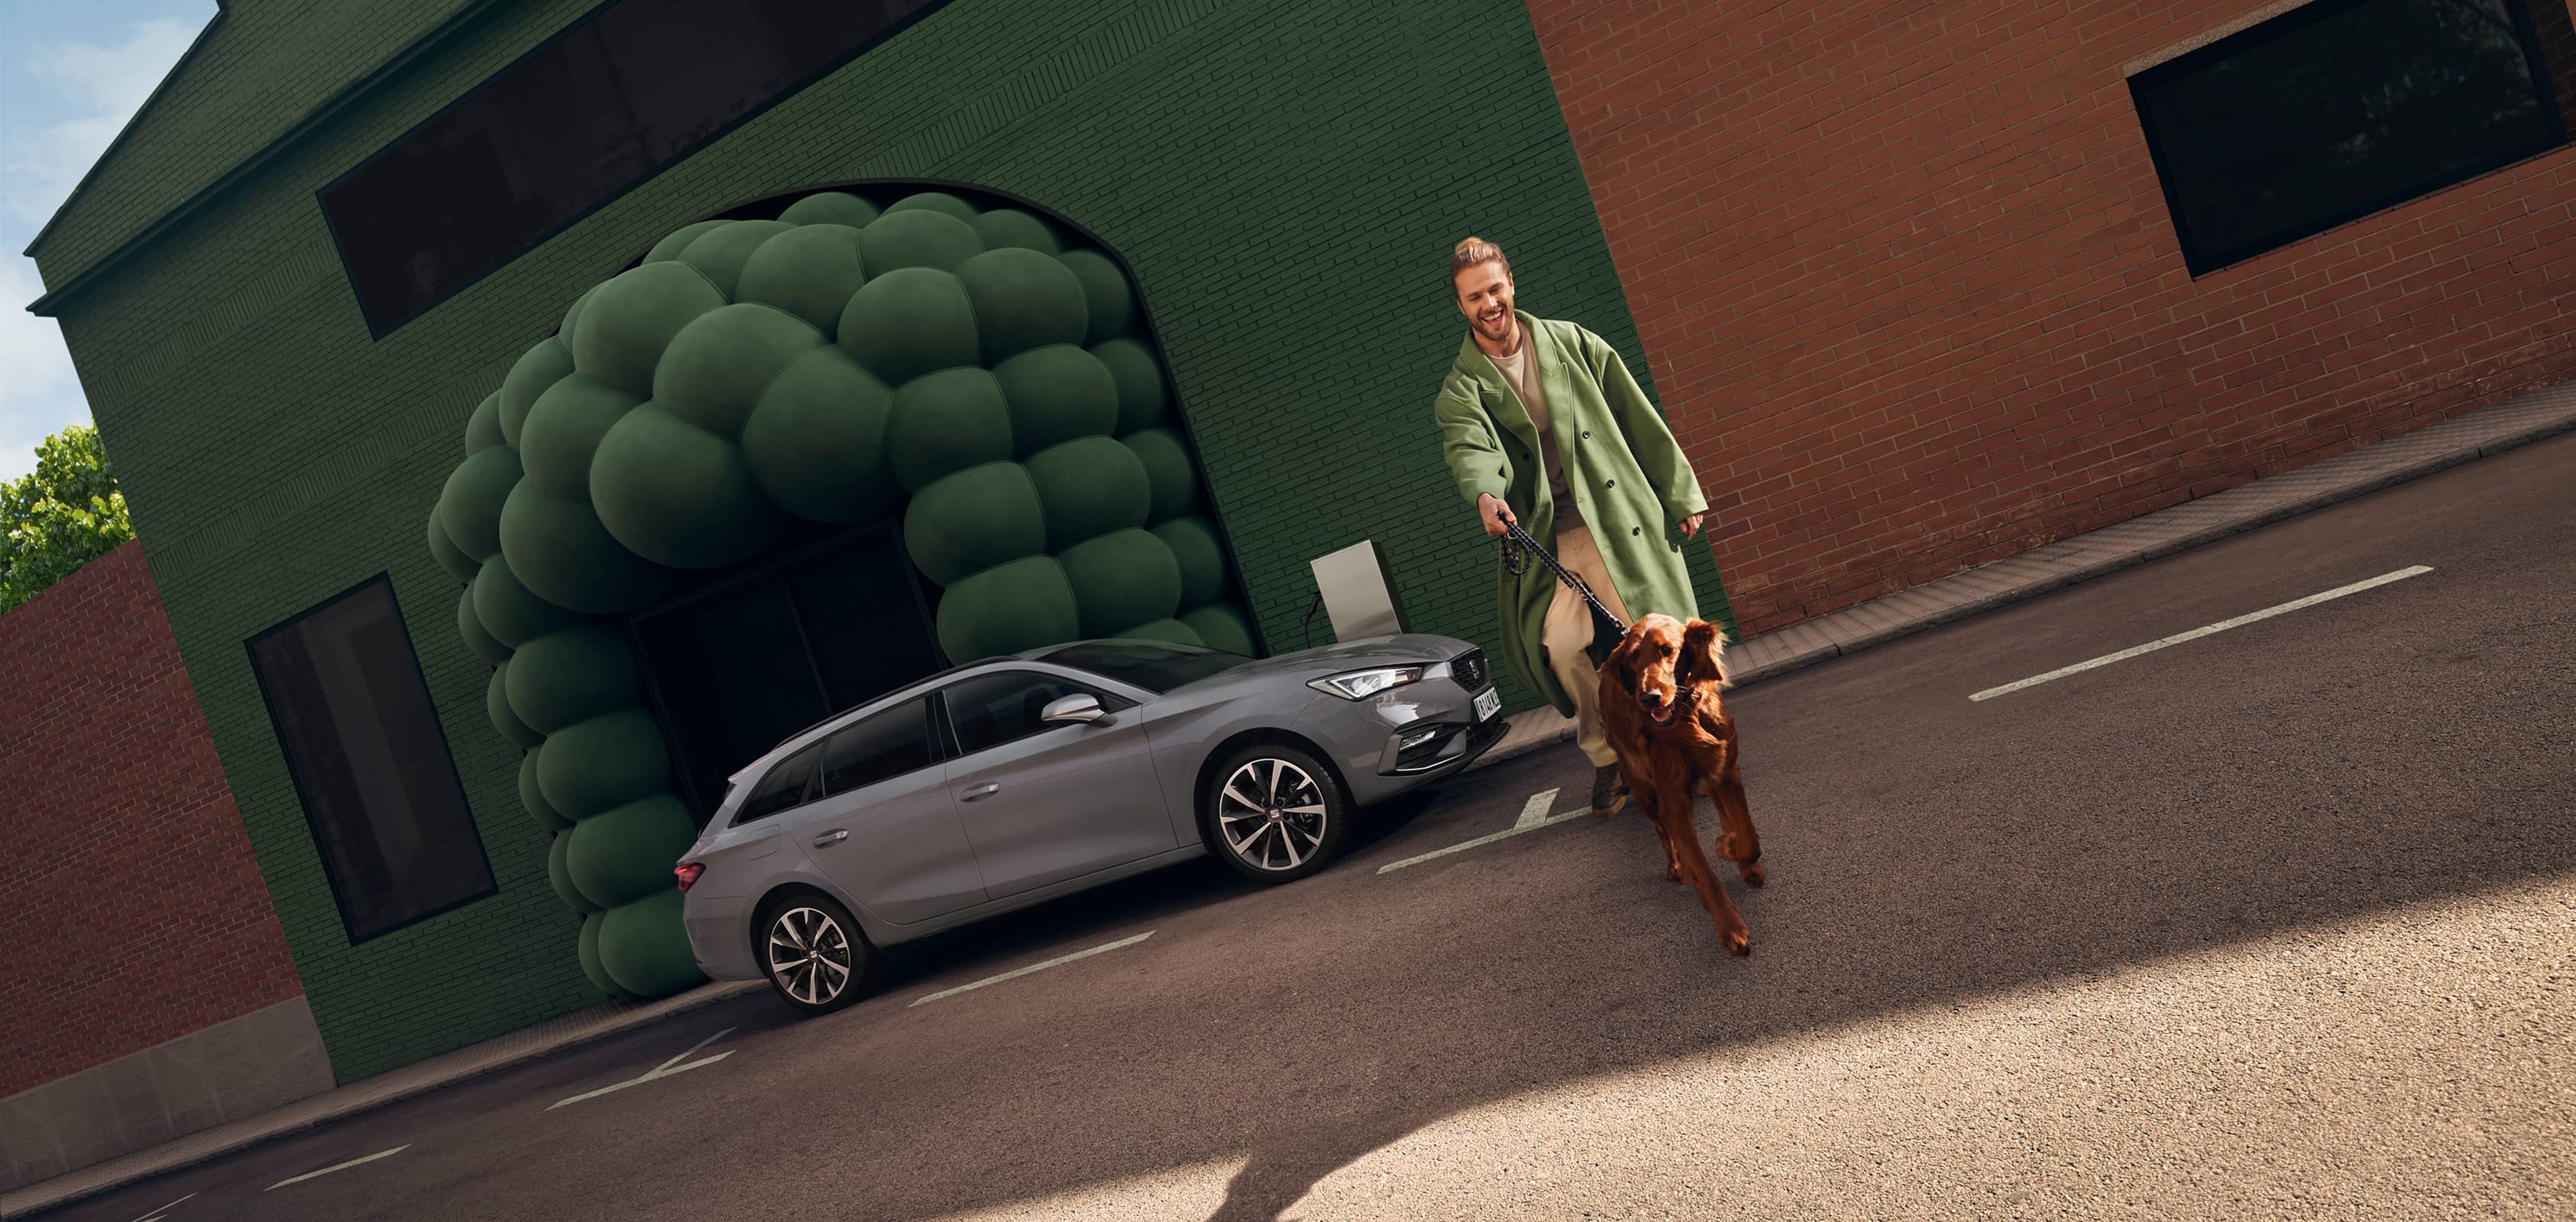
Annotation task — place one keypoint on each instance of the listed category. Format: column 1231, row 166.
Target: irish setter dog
column 1662, row 709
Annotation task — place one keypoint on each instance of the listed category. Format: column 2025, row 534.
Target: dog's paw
column 1738, row 944
column 1754, row 875
column 1673, row 873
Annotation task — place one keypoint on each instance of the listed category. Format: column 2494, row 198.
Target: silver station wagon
column 1015, row 780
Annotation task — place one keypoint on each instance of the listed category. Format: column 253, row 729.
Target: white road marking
column 1036, row 967
column 328, row 1170
column 155, row 1215
column 2196, row 633
column 1533, row 817
column 663, row 1070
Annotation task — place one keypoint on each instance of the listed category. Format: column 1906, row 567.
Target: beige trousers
column 1569, row 631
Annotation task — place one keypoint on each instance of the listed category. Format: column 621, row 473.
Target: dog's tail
column 1705, row 644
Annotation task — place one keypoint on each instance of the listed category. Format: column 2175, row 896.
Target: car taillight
column 688, row 872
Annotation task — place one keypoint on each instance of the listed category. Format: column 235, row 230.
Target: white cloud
column 104, row 87
column 38, row 392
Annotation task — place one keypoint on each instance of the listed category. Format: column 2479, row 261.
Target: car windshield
column 1156, row 666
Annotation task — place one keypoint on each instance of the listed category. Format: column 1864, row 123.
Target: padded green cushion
column 1222, row 626
column 1164, row 630
column 468, row 626
column 622, row 855
column 572, row 317
column 538, row 368
column 809, row 271
column 603, row 763
column 1012, row 227
column 717, row 366
column 905, row 323
column 633, row 317
column 571, row 676
column 560, row 875
column 973, row 520
column 1008, row 608
column 1023, row 299
column 1090, row 486
column 510, row 611
column 676, row 494
column 1057, row 393
column 483, row 429
column 560, row 550
column 1112, row 302
column 1168, row 468
column 936, row 201
column 670, row 247
column 443, row 550
column 816, row 441
column 470, row 505
column 590, row 965
column 719, row 253
column 831, row 208
column 1120, row 580
column 534, row 799
column 496, row 706
column 917, row 237
column 946, row 422
column 563, row 431
column 1142, row 401
column 644, row 948
column 1199, row 551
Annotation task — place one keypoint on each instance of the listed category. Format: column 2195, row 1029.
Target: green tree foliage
column 64, row 514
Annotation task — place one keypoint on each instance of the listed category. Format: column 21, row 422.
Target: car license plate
column 1488, row 702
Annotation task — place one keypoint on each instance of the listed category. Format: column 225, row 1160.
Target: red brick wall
column 1909, row 291
column 135, row 911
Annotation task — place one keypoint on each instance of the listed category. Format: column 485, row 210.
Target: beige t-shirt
column 1521, row 370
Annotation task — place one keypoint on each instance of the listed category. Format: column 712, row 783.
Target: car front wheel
column 1276, row 814
column 815, row 955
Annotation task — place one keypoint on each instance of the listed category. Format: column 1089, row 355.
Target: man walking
column 1541, row 417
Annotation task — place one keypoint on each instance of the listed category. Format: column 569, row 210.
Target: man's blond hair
column 1472, row 252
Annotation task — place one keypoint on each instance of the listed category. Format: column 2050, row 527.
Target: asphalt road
column 2276, row 922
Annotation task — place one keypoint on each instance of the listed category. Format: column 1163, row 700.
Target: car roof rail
column 950, row 673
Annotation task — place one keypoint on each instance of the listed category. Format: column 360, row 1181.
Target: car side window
column 878, row 747
column 789, row 785
column 991, row 710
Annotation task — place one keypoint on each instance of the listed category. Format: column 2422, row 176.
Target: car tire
column 1299, row 832
column 814, row 954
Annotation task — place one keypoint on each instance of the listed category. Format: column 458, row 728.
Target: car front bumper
column 1405, row 736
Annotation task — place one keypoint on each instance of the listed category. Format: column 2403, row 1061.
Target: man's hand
column 1690, row 525
column 1498, row 516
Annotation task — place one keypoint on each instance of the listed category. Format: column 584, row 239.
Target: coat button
column 1635, row 530
column 1609, row 483
column 1587, row 434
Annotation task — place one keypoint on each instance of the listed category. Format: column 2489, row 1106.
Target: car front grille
column 1469, row 669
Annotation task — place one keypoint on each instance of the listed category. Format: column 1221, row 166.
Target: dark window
column 990, row 710
column 2337, row 110
column 791, row 784
column 879, row 747
column 605, row 105
column 1156, row 666
column 370, row 762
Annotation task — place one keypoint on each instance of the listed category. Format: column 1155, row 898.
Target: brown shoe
column 1609, row 790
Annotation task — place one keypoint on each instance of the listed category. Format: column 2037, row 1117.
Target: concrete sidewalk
column 2490, row 430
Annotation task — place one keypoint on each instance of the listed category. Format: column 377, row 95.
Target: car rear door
column 1043, row 803
column 884, row 827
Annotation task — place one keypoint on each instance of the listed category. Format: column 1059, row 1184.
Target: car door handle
column 986, row 790
column 830, row 838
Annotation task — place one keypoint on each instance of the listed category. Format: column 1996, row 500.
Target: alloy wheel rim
column 1270, row 809
column 809, row 955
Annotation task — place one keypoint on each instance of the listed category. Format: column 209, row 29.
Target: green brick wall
column 1285, row 177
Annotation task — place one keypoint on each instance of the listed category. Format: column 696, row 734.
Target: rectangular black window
column 2339, row 109
column 370, row 762
column 630, row 88
column 879, row 747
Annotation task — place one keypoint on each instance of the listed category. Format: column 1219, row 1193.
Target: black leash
column 1518, row 547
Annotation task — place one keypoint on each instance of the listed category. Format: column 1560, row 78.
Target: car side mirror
column 1078, row 708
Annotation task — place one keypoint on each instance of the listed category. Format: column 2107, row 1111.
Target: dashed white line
column 155, row 1215
column 328, row 1170
column 663, row 1070
column 2196, row 633
column 1533, row 817
column 1036, row 967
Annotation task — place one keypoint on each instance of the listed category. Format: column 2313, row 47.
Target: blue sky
column 71, row 73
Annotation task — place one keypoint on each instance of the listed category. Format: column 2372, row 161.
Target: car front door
column 1043, row 803
column 883, row 826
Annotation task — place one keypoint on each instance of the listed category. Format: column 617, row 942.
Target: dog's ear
column 1704, row 652
column 1622, row 664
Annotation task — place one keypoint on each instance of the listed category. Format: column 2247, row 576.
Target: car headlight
column 1362, row 684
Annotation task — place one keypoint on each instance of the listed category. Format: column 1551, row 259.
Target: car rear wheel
column 815, row 956
column 1276, row 814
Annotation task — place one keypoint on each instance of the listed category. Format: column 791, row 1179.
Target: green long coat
column 1626, row 473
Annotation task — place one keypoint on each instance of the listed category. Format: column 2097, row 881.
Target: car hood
column 1347, row 655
